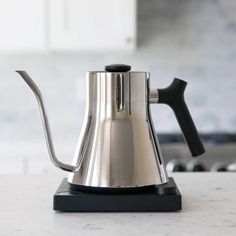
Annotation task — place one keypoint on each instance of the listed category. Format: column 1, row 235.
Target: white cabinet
column 56, row 25
column 92, row 25
column 22, row 25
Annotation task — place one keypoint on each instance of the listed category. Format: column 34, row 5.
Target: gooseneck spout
column 45, row 123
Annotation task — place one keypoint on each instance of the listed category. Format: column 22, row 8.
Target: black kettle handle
column 173, row 96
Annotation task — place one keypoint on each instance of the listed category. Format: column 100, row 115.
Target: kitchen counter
column 209, row 208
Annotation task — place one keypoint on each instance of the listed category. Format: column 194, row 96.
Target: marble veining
column 209, row 208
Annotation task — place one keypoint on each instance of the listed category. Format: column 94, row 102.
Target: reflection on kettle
column 118, row 147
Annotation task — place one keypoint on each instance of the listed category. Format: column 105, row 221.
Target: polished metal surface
column 153, row 96
column 220, row 151
column 118, row 141
column 117, row 145
column 46, row 127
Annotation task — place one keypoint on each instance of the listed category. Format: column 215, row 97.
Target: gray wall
column 192, row 40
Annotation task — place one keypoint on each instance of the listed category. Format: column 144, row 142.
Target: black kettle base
column 161, row 198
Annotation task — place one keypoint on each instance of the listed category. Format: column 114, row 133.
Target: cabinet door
column 22, row 25
column 92, row 25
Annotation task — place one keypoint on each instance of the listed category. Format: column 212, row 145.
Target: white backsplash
column 191, row 40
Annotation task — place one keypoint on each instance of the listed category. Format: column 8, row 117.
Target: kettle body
column 117, row 147
column 117, row 142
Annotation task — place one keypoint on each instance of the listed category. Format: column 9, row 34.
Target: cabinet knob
column 195, row 166
column 175, row 166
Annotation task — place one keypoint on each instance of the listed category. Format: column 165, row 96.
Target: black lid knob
column 117, row 68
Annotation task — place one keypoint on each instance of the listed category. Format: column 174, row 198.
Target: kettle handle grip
column 45, row 123
column 173, row 95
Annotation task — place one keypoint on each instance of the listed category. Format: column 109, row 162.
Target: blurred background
column 58, row 41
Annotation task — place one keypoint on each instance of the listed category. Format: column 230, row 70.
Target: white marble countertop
column 209, row 208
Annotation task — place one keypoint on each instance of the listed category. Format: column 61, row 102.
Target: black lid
column 117, row 68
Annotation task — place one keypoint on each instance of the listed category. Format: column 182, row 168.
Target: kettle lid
column 117, row 68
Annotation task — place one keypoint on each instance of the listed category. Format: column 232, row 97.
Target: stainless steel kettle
column 118, row 147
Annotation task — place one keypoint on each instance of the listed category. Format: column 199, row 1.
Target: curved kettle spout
column 45, row 123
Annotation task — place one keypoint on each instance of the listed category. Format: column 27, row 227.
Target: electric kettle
column 118, row 148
